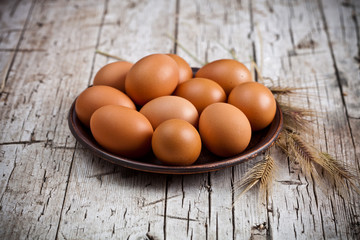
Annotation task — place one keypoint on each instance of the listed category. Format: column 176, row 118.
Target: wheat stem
column 185, row 50
column 231, row 51
column 261, row 174
column 109, row 55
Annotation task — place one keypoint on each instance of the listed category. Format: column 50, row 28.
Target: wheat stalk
column 109, row 55
column 262, row 174
column 296, row 119
column 302, row 153
column 339, row 173
column 185, row 50
column 308, row 157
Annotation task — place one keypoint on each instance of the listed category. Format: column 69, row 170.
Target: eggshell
column 95, row 97
column 113, row 75
column 122, row 131
column 185, row 72
column 201, row 92
column 228, row 73
column 164, row 108
column 176, row 142
column 151, row 77
column 256, row 101
column 224, row 129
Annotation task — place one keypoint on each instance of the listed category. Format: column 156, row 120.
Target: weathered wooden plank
column 107, row 201
column 43, row 101
column 187, row 214
column 32, row 183
column 13, row 16
column 103, row 200
column 209, row 30
column 37, row 151
column 355, row 126
column 50, row 187
column 12, row 20
column 342, row 28
column 250, row 211
column 299, row 56
column 135, row 30
column 344, row 16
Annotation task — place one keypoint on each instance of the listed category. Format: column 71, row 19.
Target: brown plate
column 206, row 162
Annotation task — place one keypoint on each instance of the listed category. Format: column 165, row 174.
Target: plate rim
column 167, row 169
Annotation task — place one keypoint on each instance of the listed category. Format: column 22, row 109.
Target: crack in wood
column 42, row 183
column 208, row 186
column 206, row 230
column 113, row 231
column 106, row 3
column 291, row 182
column 85, row 215
column 314, row 190
column 295, row 233
column 333, row 210
column 28, row 233
column 188, row 221
column 100, row 175
column 233, row 202
column 217, row 226
column 278, row 218
column 176, row 30
column 182, row 191
column 356, row 23
column 149, row 225
column 165, row 205
column 252, row 26
column 159, row 200
column 180, row 218
column 68, row 209
column 23, row 142
column 322, row 225
column 23, row 50
column 65, row 194
column 41, row 214
column 8, row 179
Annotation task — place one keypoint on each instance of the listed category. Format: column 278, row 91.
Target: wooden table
column 53, row 188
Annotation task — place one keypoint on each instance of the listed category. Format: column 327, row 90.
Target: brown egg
column 176, row 142
column 185, row 72
column 201, row 92
column 151, row 77
column 164, row 108
column 226, row 72
column 95, row 97
column 256, row 101
column 122, row 131
column 113, row 75
column 224, row 129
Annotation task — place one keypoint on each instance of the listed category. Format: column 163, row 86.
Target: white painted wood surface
column 53, row 188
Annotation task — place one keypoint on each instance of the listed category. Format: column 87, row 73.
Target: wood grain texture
column 53, row 188
column 209, row 29
column 133, row 203
column 37, row 146
column 308, row 61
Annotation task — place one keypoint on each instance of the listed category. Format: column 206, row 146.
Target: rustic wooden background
column 53, row 188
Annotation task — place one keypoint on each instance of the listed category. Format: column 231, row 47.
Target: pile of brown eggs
column 156, row 105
